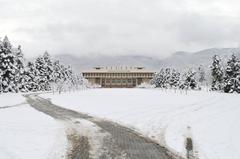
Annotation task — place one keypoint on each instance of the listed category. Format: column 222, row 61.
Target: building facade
column 118, row 77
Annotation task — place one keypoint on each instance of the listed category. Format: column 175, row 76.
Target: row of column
column 134, row 82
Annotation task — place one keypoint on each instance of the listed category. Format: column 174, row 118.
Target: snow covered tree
column 31, row 77
column 1, row 76
column 189, row 80
column 44, row 67
column 39, row 75
column 20, row 77
column 174, row 79
column 232, row 75
column 161, row 79
column 56, row 71
column 58, row 76
column 48, row 67
column 8, row 66
column 41, row 69
column 217, row 73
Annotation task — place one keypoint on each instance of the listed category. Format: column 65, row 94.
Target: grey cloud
column 212, row 31
column 113, row 27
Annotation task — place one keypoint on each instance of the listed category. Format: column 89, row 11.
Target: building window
column 139, row 81
column 103, row 81
column 97, row 80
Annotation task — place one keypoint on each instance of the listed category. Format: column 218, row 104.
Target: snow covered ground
column 165, row 116
column 26, row 133
column 10, row 99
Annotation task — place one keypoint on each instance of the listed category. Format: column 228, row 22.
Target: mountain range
column 178, row 60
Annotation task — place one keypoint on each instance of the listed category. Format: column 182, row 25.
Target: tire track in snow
column 12, row 106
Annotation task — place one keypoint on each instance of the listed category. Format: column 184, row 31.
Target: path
column 123, row 143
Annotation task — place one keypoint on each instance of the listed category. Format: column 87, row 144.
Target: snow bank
column 165, row 115
column 10, row 99
column 26, row 133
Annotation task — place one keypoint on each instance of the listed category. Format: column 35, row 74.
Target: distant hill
column 177, row 60
column 87, row 62
column 203, row 57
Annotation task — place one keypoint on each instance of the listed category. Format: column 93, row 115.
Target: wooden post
column 189, row 147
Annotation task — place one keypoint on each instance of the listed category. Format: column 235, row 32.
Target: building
column 118, row 76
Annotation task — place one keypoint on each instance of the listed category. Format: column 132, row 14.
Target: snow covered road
column 119, row 142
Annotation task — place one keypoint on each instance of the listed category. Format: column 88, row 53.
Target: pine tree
column 39, row 75
column 189, row 80
column 58, row 76
column 1, row 76
column 158, row 79
column 232, row 75
column 49, row 66
column 32, row 77
column 56, row 71
column 174, row 80
column 41, row 69
column 162, row 78
column 8, row 67
column 20, row 75
column 217, row 73
column 44, row 67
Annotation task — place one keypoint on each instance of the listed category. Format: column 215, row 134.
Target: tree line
column 40, row 74
column 172, row 78
column 224, row 77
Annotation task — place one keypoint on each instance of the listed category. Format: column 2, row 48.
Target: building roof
column 119, row 69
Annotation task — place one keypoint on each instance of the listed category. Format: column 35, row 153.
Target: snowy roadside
column 165, row 115
column 26, row 133
column 11, row 99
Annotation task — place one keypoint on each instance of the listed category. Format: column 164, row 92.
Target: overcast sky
column 144, row 27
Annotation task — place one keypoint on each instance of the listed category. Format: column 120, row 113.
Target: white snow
column 10, row 99
column 164, row 115
column 26, row 133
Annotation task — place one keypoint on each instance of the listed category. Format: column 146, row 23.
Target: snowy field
column 26, row 133
column 165, row 116
column 11, row 99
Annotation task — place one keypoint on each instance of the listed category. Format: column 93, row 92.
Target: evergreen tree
column 41, row 69
column 39, row 75
column 159, row 79
column 232, row 75
column 32, row 77
column 8, row 66
column 56, row 71
column 48, row 66
column 189, row 80
column 217, row 73
column 20, row 74
column 44, row 67
column 174, row 79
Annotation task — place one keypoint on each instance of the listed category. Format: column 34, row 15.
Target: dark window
column 97, row 80
column 139, row 81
